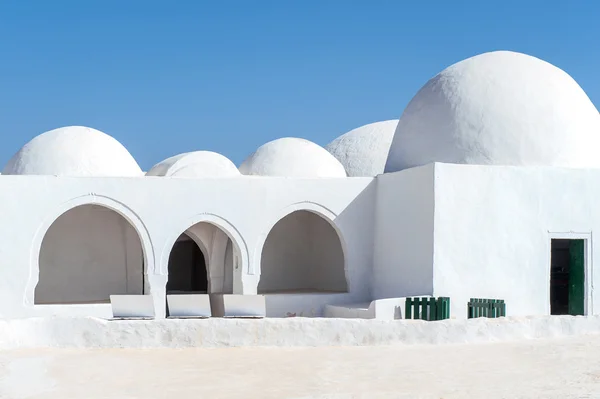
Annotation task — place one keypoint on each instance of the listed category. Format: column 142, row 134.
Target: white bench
column 132, row 306
column 189, row 305
column 242, row 306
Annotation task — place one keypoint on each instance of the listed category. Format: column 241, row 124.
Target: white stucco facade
column 476, row 189
column 246, row 215
column 517, row 212
column 410, row 233
column 471, row 231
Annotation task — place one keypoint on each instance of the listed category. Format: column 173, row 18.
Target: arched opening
column 89, row 253
column 302, row 253
column 202, row 261
column 187, row 268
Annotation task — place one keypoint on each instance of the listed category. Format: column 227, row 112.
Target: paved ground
column 565, row 368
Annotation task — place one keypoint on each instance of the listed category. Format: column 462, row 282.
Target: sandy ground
column 560, row 368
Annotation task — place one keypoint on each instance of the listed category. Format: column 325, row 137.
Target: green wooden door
column 576, row 277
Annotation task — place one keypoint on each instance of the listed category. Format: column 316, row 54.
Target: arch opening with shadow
column 89, row 253
column 202, row 260
column 302, row 253
column 187, row 268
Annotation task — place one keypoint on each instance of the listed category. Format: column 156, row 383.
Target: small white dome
column 73, row 151
column 195, row 164
column 364, row 150
column 292, row 157
column 498, row 108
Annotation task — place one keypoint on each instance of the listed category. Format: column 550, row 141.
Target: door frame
column 587, row 255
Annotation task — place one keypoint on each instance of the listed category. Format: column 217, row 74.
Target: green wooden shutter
column 576, row 278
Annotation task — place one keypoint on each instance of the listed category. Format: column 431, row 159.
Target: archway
column 89, row 253
column 202, row 261
column 302, row 253
column 187, row 268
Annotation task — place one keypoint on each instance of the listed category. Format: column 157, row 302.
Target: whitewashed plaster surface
column 160, row 210
column 448, row 230
column 292, row 157
column 195, row 164
column 493, row 226
column 363, row 151
column 73, row 151
column 403, row 240
column 500, row 108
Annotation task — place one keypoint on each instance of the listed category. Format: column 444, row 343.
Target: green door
column 576, row 277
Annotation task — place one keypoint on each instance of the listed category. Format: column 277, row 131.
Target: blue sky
column 169, row 77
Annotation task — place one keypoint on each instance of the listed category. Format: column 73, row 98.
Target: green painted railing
column 427, row 308
column 492, row 308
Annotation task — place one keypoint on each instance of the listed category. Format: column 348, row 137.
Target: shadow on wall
column 89, row 253
column 357, row 221
column 302, row 254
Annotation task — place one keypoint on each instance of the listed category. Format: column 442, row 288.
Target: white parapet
column 189, row 305
column 230, row 305
column 132, row 306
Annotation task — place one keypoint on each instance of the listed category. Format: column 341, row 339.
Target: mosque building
column 487, row 186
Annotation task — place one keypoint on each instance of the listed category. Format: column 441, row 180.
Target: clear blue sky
column 174, row 76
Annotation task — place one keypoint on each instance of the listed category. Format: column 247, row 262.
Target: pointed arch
column 133, row 226
column 303, row 250
column 224, row 247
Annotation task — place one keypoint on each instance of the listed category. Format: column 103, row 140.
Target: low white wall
column 380, row 309
column 358, row 311
column 217, row 332
column 493, row 227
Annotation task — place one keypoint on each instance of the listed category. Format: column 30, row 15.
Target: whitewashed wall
column 160, row 209
column 487, row 234
column 403, row 259
column 493, row 226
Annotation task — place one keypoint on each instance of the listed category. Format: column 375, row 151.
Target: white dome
column 364, row 150
column 292, row 157
column 73, row 151
column 195, row 164
column 499, row 108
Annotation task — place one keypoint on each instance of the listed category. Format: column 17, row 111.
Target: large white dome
column 73, row 151
column 292, row 157
column 499, row 108
column 195, row 164
column 364, row 150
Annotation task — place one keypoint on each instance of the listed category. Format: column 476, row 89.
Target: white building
column 493, row 161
